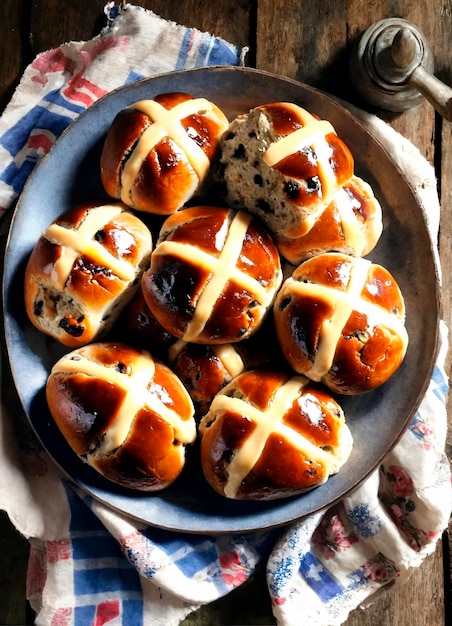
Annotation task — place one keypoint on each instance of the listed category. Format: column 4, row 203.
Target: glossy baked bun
column 83, row 271
column 214, row 274
column 283, row 164
column 206, row 369
column 123, row 412
column 138, row 324
column 158, row 152
column 340, row 320
column 269, row 435
column 351, row 223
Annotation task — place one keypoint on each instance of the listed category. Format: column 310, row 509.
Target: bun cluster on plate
column 220, row 298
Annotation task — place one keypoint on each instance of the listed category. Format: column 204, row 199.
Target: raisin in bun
column 340, row 320
column 122, row 412
column 205, row 369
column 138, row 324
column 213, row 276
column 283, row 164
column 83, row 271
column 157, row 153
column 351, row 223
column 270, row 435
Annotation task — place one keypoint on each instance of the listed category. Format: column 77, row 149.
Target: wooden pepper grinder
column 392, row 69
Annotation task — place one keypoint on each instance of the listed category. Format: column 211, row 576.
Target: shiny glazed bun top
column 352, row 224
column 83, row 271
column 341, row 320
column 269, row 435
column 283, row 164
column 213, row 276
column 206, row 369
column 123, row 412
column 158, row 152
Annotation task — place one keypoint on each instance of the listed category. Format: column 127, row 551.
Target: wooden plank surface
column 309, row 40
column 11, row 48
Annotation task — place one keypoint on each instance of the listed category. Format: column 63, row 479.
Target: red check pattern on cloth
column 89, row 569
column 90, row 565
column 98, row 575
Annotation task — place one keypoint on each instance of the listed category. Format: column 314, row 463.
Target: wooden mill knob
column 392, row 68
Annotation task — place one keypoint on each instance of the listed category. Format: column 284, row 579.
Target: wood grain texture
column 229, row 19
column 78, row 21
column 12, row 47
column 311, row 41
column 53, row 22
column 14, row 556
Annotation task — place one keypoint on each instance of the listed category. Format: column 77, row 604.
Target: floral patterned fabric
column 329, row 564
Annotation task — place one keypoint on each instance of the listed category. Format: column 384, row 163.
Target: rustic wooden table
column 309, row 40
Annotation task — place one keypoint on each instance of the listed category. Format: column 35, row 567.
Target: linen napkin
column 89, row 564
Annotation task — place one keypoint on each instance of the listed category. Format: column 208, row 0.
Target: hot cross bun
column 282, row 163
column 341, row 320
column 270, row 435
column 122, row 412
column 351, row 223
column 213, row 276
column 84, row 270
column 157, row 153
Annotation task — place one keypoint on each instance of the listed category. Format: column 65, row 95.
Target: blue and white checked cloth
column 90, row 565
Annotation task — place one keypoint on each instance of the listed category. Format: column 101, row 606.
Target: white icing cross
column 78, row 242
column 136, row 396
column 222, row 269
column 312, row 133
column 351, row 227
column 265, row 422
column 165, row 123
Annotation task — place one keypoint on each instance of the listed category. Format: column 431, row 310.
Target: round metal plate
column 69, row 174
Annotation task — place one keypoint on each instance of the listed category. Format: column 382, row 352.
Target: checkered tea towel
column 89, row 564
